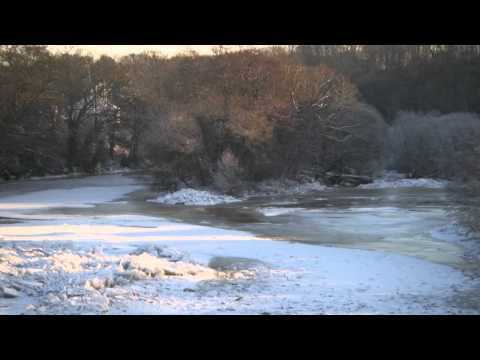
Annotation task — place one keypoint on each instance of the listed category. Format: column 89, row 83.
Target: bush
column 252, row 115
column 433, row 145
column 229, row 175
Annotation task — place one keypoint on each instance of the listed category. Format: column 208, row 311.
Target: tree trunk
column 72, row 145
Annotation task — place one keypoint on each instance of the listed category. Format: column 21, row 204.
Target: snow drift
column 396, row 180
column 194, row 197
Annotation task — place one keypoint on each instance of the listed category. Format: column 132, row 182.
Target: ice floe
column 277, row 211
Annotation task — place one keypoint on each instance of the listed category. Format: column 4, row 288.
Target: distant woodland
column 240, row 116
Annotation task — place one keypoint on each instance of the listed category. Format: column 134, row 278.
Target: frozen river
column 335, row 251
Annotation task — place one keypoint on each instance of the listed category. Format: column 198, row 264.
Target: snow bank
column 130, row 269
column 64, row 279
column 194, row 197
column 405, row 183
column 396, row 180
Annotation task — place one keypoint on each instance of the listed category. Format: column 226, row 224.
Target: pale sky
column 119, row 50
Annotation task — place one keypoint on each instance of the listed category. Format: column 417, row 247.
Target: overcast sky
column 119, row 50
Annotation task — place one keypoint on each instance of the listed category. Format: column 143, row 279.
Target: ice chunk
column 194, row 197
column 274, row 211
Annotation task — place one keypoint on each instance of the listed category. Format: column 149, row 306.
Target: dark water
column 405, row 221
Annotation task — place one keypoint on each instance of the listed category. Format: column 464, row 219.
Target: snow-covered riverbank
column 128, row 263
column 78, row 271
column 195, row 197
column 392, row 179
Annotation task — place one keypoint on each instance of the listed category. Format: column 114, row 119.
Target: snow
column 135, row 264
column 395, row 180
column 194, row 197
column 119, row 265
column 405, row 183
column 303, row 279
column 116, row 229
column 84, row 196
column 63, row 279
column 275, row 211
column 455, row 233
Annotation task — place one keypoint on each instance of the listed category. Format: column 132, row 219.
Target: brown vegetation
column 242, row 116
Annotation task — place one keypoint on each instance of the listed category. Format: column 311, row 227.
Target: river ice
column 133, row 264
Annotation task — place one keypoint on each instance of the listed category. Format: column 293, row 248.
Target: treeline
column 224, row 119
column 427, row 93
column 58, row 113
column 417, row 78
column 251, row 115
column 433, row 145
column 243, row 116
